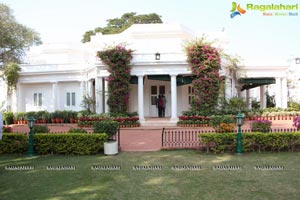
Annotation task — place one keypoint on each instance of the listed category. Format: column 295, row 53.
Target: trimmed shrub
column 109, row 127
column 252, row 142
column 13, row 143
column 69, row 144
column 77, row 130
column 40, row 129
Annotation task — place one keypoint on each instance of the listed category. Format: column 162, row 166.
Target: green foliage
column 13, row 143
column 14, row 37
column 118, row 60
column 84, row 113
column 118, row 25
column 8, row 117
column 270, row 100
column 255, row 104
column 40, row 129
column 216, row 120
column 109, row 127
column 204, row 61
column 237, row 104
column 293, row 106
column 69, row 144
column 11, row 74
column 88, row 103
column 252, row 142
column 77, row 130
column 6, row 129
column 261, row 126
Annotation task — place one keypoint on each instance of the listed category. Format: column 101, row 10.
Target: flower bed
column 193, row 121
column 123, row 121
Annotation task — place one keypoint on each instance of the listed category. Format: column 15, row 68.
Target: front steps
column 158, row 122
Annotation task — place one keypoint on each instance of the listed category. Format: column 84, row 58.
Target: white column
column 54, row 96
column 14, row 100
column 173, row 98
column 82, row 88
column 248, row 99
column 106, row 107
column 99, row 92
column 19, row 97
column 228, row 88
column 278, row 94
column 263, row 102
column 89, row 88
column 141, row 98
column 81, row 93
column 284, row 93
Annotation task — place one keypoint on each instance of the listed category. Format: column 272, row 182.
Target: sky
column 257, row 39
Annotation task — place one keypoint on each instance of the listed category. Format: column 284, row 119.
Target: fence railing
column 183, row 138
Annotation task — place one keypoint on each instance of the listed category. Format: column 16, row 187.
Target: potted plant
column 109, row 127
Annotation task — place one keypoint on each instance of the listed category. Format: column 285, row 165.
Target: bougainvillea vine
column 204, row 61
column 118, row 60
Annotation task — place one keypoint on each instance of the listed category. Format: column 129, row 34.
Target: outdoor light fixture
column 30, row 145
column 239, row 143
column 297, row 60
column 157, row 56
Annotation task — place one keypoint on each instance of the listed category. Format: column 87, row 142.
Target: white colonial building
column 57, row 76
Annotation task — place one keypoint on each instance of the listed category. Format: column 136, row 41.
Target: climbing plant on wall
column 204, row 61
column 118, row 60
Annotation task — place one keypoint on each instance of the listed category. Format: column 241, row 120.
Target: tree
column 117, row 25
column 11, row 73
column 14, row 37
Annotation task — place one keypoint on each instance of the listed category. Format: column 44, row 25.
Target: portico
column 275, row 77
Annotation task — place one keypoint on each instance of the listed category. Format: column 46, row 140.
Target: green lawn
column 207, row 183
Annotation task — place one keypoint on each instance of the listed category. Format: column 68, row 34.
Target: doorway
column 155, row 90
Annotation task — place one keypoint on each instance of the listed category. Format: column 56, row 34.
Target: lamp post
column 157, row 56
column 239, row 143
column 30, row 145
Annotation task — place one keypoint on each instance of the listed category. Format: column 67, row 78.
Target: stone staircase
column 158, row 122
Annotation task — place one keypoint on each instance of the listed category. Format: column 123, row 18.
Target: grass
column 85, row 183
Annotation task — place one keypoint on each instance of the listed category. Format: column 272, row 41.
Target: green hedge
column 69, row 144
column 252, row 142
column 13, row 143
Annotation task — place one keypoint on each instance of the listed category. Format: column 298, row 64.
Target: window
column 71, row 99
column 191, row 94
column 37, row 99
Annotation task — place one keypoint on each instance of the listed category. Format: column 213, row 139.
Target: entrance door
column 155, row 91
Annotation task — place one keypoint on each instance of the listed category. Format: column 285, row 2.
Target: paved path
column 145, row 138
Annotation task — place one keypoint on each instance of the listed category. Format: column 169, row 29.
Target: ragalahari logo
column 236, row 10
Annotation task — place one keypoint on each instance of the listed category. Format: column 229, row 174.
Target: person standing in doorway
column 164, row 102
column 159, row 105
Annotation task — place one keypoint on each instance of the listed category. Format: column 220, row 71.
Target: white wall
column 183, row 98
column 3, row 96
column 65, row 87
column 133, row 98
column 28, row 91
